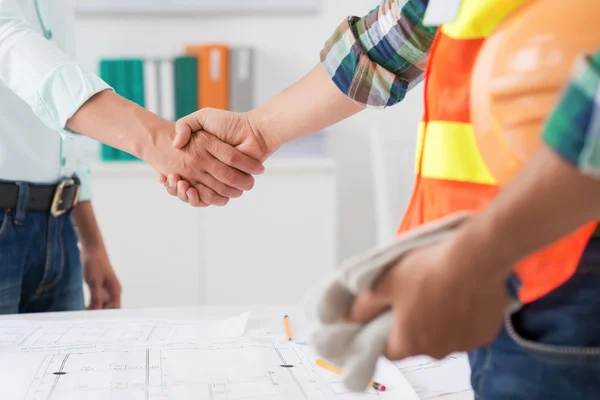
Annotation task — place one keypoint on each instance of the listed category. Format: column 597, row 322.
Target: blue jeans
column 549, row 349
column 40, row 270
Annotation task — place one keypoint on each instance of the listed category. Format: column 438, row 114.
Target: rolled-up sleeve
column 377, row 59
column 53, row 85
column 573, row 130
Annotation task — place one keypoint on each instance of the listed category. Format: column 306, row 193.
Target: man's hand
column 97, row 271
column 101, row 279
column 445, row 298
column 235, row 129
column 215, row 169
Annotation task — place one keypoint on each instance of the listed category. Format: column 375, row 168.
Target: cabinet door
column 151, row 237
column 273, row 244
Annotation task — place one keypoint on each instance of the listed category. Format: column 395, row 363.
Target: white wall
column 288, row 46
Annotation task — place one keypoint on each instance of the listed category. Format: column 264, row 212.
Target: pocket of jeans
column 557, row 354
column 5, row 223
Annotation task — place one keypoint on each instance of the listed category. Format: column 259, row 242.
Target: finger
column 233, row 157
column 210, row 197
column 184, row 129
column 384, row 285
column 398, row 345
column 162, row 179
column 194, row 198
column 182, row 187
column 230, row 176
column 172, row 180
column 221, row 189
column 113, row 288
column 366, row 307
column 97, row 294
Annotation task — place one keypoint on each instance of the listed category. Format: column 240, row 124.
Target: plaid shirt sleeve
column 376, row 59
column 573, row 130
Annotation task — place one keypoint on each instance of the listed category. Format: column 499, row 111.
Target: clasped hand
column 445, row 298
column 220, row 151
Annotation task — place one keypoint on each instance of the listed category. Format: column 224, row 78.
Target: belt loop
column 22, row 200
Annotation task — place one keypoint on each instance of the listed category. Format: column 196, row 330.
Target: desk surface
column 264, row 317
column 261, row 317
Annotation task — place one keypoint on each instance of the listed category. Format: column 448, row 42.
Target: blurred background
column 322, row 199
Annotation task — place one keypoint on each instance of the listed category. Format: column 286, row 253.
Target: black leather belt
column 55, row 199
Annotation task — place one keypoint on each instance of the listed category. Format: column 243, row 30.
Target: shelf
column 193, row 6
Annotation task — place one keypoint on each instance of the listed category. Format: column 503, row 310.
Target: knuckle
column 209, row 142
column 232, row 177
column 209, row 198
column 233, row 157
column 228, row 157
column 234, row 193
column 201, row 145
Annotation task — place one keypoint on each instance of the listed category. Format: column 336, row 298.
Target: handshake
column 212, row 157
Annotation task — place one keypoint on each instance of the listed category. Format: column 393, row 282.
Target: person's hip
column 548, row 349
column 39, row 257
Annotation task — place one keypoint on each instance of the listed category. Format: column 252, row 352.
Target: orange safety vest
column 451, row 174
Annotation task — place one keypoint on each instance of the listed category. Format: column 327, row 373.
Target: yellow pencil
column 288, row 328
column 323, row 364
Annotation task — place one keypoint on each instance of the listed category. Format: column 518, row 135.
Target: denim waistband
column 591, row 254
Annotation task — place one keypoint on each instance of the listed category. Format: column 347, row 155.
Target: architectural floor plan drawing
column 232, row 369
column 46, row 334
column 433, row 379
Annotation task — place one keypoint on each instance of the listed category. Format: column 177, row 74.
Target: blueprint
column 434, row 379
column 46, row 334
column 226, row 369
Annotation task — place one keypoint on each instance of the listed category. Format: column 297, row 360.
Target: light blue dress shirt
column 41, row 87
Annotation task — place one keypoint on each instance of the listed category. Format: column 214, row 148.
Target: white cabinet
column 270, row 246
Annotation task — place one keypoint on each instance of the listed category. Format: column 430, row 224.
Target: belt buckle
column 57, row 201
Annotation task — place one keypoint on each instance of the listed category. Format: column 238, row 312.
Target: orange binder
column 213, row 74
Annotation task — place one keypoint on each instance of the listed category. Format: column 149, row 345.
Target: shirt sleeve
column 53, row 85
column 377, row 59
column 573, row 130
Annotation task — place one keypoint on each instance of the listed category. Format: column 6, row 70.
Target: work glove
column 356, row 348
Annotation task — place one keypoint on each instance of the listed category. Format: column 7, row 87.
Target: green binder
column 134, row 85
column 108, row 72
column 186, row 85
column 126, row 76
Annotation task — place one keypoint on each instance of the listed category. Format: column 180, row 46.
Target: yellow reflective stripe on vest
column 451, row 153
column 479, row 18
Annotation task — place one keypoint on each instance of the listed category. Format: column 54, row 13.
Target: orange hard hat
column 520, row 74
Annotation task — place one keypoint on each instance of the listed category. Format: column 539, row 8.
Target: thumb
column 256, row 152
column 184, row 129
column 97, row 301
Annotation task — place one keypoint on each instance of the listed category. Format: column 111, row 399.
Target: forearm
column 549, row 199
column 368, row 62
column 120, row 123
column 86, row 225
column 311, row 104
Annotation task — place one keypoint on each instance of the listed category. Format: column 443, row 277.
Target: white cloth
column 353, row 347
column 41, row 87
